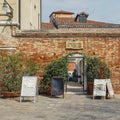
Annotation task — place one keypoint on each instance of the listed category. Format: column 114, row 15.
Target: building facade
column 64, row 35
column 26, row 14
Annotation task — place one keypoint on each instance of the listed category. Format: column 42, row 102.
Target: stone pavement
column 72, row 107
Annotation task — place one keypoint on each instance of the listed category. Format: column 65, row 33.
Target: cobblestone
column 72, row 107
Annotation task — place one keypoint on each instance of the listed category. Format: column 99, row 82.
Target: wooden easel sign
column 99, row 88
column 29, row 87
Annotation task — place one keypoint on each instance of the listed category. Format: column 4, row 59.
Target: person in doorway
column 75, row 76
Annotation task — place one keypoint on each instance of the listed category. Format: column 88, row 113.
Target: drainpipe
column 40, row 16
column 85, row 78
column 19, row 14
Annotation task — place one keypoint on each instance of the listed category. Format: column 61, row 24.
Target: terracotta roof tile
column 47, row 26
column 71, row 23
column 61, row 12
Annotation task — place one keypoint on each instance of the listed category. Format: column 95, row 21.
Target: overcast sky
column 98, row 10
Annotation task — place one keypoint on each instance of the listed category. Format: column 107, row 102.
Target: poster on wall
column 29, row 86
column 110, row 88
column 99, row 87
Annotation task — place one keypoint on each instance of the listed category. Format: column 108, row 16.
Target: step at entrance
column 74, row 88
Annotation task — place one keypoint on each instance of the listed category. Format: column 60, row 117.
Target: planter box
column 90, row 88
column 10, row 94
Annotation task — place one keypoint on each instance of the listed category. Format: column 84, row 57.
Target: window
column 83, row 19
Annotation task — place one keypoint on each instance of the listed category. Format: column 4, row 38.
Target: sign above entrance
column 74, row 45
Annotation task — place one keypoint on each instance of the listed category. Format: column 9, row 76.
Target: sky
column 98, row 10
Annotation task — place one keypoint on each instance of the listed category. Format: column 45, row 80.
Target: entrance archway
column 77, row 81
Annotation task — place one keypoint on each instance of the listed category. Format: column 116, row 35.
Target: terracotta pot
column 90, row 88
column 10, row 94
column 0, row 85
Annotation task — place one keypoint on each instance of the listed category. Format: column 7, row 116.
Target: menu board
column 99, row 87
column 57, row 86
column 109, row 87
column 29, row 86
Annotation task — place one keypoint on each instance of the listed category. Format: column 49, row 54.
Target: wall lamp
column 9, row 10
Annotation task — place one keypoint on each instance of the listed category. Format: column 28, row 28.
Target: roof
column 61, row 12
column 71, row 23
column 47, row 26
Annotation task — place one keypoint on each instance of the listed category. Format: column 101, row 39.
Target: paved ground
column 72, row 107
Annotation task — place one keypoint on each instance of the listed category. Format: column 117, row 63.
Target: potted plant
column 96, row 69
column 12, row 68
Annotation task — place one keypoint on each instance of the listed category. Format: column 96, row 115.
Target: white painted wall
column 14, row 5
column 30, row 15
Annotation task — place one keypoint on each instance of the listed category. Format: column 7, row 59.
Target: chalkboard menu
column 57, row 86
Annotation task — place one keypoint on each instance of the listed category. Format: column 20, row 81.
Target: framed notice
column 109, row 87
column 99, row 87
column 29, row 86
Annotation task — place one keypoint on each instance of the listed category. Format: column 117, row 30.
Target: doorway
column 77, row 83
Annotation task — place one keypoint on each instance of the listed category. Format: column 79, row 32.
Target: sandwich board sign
column 57, row 86
column 29, row 87
column 109, row 87
column 99, row 87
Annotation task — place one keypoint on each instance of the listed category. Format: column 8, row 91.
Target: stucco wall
column 44, row 47
column 14, row 5
column 30, row 14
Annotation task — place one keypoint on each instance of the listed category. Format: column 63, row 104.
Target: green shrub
column 96, row 69
column 56, row 68
column 13, row 68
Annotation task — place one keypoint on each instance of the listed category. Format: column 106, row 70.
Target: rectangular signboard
column 29, row 86
column 74, row 45
column 109, row 87
column 57, row 86
column 99, row 87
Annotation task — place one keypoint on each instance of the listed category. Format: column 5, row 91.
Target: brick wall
column 44, row 47
column 71, row 66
